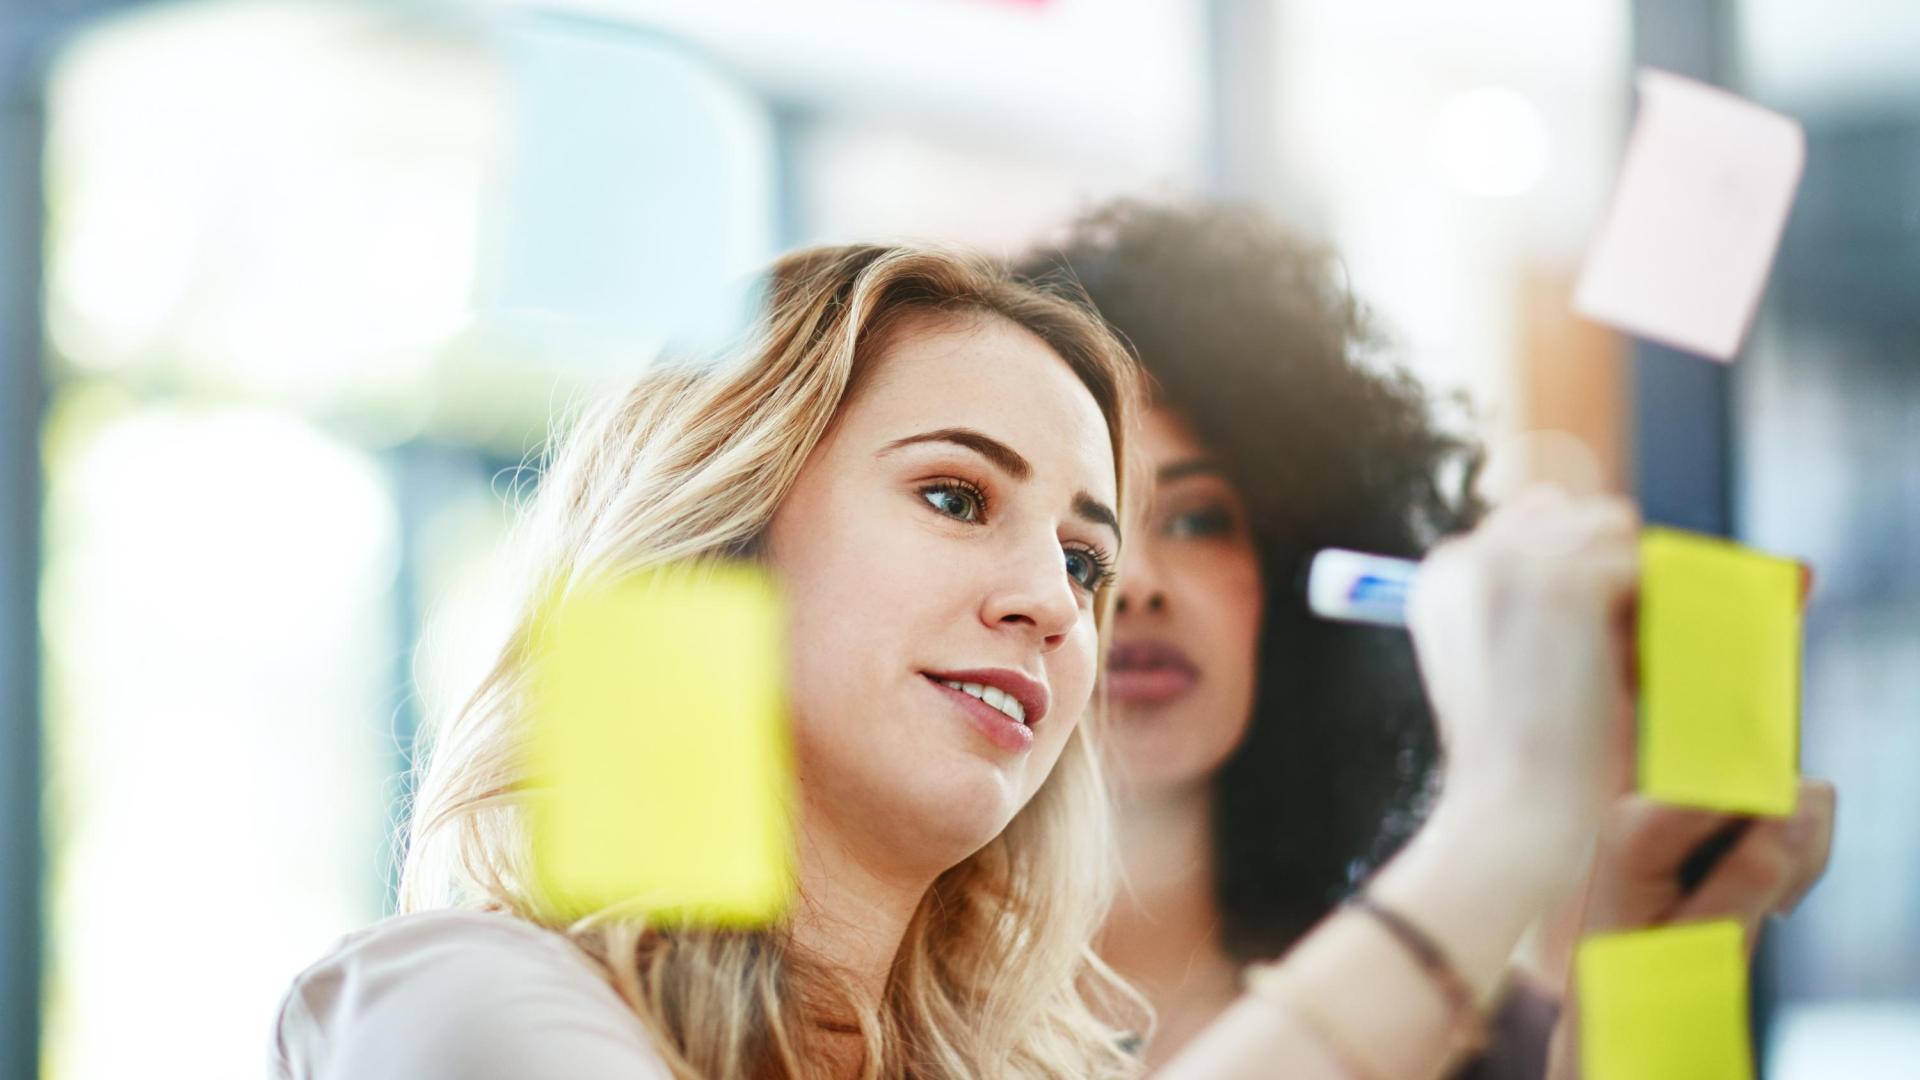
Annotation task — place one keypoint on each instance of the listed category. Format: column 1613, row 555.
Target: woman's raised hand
column 1523, row 632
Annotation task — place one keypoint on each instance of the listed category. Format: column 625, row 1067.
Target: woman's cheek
column 1241, row 592
column 1073, row 676
column 1234, row 602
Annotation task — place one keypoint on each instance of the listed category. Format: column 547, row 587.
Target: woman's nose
column 1040, row 599
column 1153, row 600
column 1139, row 588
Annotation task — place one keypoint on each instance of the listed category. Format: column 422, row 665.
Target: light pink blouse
column 457, row 994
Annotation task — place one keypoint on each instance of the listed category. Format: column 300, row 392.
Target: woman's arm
column 1520, row 632
column 1356, row 1003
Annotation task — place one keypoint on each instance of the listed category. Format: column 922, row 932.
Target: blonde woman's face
column 944, row 541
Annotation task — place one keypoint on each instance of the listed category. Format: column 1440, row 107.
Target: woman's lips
column 999, row 728
column 1149, row 671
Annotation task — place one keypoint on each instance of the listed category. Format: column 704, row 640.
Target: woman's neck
column 853, row 911
column 852, row 917
column 1164, row 933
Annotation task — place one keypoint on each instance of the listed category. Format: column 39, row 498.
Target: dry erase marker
column 1352, row 587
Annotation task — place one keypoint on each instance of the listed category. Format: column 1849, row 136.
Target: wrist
column 1532, row 840
column 1476, row 877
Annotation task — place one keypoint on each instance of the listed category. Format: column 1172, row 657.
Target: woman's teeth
column 993, row 696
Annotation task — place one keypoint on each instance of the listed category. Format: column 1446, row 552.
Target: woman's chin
column 1153, row 755
column 934, row 798
column 962, row 810
column 1148, row 773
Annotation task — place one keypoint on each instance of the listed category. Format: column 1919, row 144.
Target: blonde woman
column 929, row 459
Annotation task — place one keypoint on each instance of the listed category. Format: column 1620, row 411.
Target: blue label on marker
column 1373, row 591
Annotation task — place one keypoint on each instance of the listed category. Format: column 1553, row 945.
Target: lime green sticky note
column 1665, row 1004
column 658, row 749
column 1719, row 652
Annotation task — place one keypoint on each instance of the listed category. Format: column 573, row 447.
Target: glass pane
column 1827, row 416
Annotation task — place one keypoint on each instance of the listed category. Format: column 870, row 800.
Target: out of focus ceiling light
column 1491, row 141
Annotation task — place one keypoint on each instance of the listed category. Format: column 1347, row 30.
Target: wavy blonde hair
column 996, row 975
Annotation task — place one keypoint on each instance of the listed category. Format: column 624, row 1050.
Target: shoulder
column 457, row 993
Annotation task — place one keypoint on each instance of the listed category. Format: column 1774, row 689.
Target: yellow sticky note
column 659, row 751
column 1719, row 652
column 1665, row 1004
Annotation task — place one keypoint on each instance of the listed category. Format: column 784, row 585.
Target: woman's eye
column 1088, row 569
column 954, row 501
column 1207, row 521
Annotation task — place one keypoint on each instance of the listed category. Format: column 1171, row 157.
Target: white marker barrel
column 1353, row 587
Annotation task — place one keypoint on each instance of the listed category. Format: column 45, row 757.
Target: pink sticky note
column 1696, row 218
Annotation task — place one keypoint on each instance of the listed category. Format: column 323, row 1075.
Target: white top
column 458, row 994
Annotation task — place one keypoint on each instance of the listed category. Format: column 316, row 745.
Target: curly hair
column 1254, row 337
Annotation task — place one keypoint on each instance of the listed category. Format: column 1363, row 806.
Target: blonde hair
column 996, row 975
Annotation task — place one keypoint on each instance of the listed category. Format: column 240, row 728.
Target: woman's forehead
column 1166, row 435
column 987, row 374
column 1170, row 457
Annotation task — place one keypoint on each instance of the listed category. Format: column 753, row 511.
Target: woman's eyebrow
column 1093, row 510
column 1002, row 455
column 1180, row 470
column 1009, row 460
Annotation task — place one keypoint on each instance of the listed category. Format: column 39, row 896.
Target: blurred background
column 290, row 290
